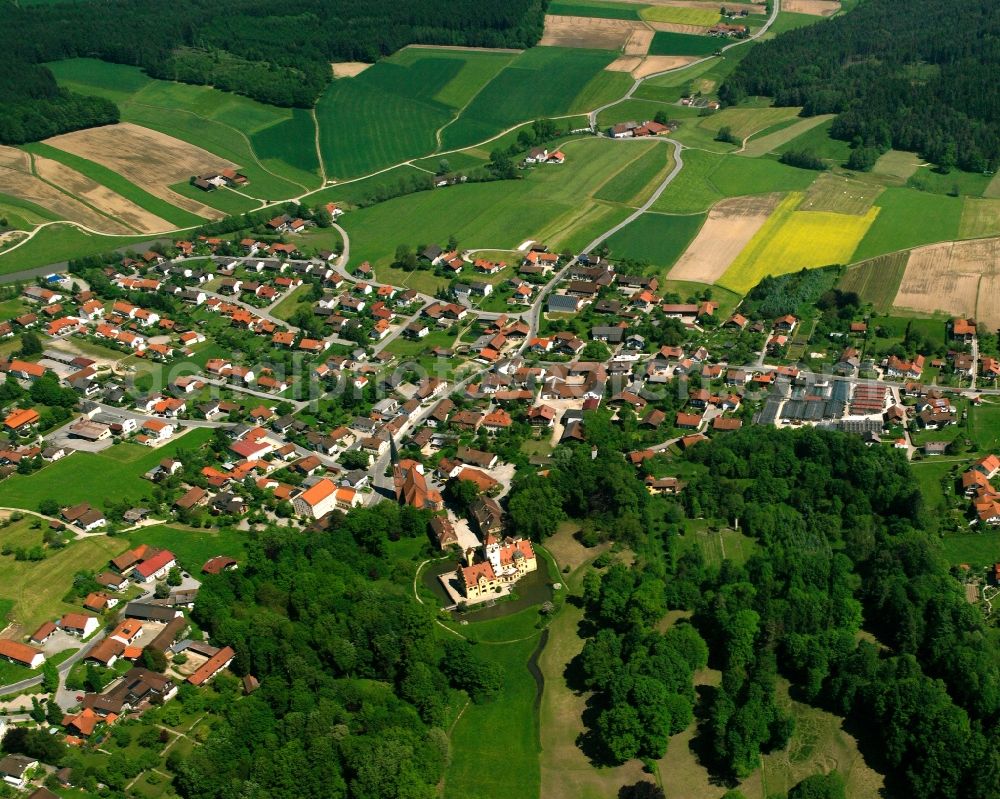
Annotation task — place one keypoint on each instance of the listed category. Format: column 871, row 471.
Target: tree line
column 250, row 47
column 918, row 78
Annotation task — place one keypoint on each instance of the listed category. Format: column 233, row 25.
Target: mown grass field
column 819, row 142
column 877, row 280
column 830, row 192
column 37, row 588
column 659, row 239
column 541, row 82
column 791, row 240
column 192, row 547
column 115, row 182
column 897, row 164
column 603, row 9
column 909, row 218
column 979, row 218
column 669, row 43
column 552, row 203
column 86, row 477
column 633, row 185
column 741, row 121
column 273, row 146
column 707, row 16
column 58, row 243
column 709, row 177
column 392, row 111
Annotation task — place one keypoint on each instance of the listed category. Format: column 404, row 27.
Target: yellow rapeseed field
column 792, row 240
column 681, row 16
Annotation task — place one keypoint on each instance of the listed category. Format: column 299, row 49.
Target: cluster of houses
column 984, row 497
column 225, row 178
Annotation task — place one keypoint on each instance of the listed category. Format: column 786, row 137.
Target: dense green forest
column 251, row 47
column 33, row 107
column 356, row 688
column 919, row 77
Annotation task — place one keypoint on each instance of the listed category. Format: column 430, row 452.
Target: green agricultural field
column 552, row 203
column 192, row 547
column 993, row 189
column 741, row 121
column 642, row 110
column 37, row 588
column 877, row 280
column 817, row 141
column 541, row 82
column 788, row 21
column 953, row 183
column 791, row 240
column 273, row 146
column 392, row 111
column 791, row 130
column 633, row 185
column 115, row 182
column 705, row 17
column 909, row 218
column 85, row 476
column 709, row 177
column 602, row 9
column 671, row 87
column 57, row 243
column 979, row 550
column 656, row 238
column 511, row 717
column 226, row 200
column 23, row 214
column 358, row 190
column 669, row 43
column 979, row 218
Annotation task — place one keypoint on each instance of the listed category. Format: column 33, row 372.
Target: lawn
column 290, row 304
column 877, row 280
column 540, row 82
column 705, row 17
column 984, row 421
column 603, row 9
column 791, row 240
column 552, row 203
column 57, row 243
column 273, row 146
column 669, row 43
column 101, row 174
column 37, row 588
column 192, row 547
column 512, row 769
column 909, row 218
column 658, row 239
column 85, row 476
column 979, row 550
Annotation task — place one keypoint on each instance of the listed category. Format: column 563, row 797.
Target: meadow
column 634, row 185
column 23, row 214
column 58, row 243
column 979, row 218
column 192, row 547
column 101, row 174
column 541, row 82
column 908, row 218
column 37, row 588
column 741, row 121
column 85, row 476
column 669, row 43
column 273, row 146
column 552, row 203
column 709, row 177
column 658, row 239
column 791, row 240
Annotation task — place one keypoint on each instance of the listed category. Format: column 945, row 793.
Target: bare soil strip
column 101, row 197
column 818, row 8
column 348, row 69
column 729, row 227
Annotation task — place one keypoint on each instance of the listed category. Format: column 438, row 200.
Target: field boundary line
column 240, row 133
column 319, row 150
column 83, row 202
